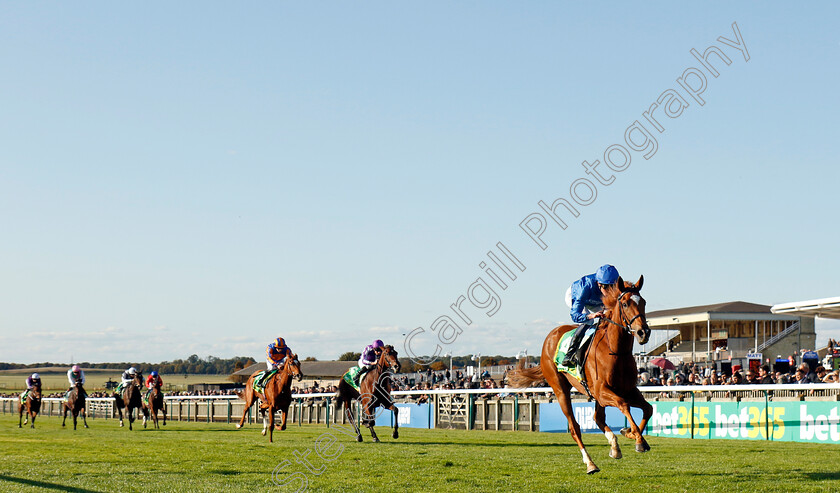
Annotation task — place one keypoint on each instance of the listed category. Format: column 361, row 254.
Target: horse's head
column 627, row 308
column 293, row 367
column 388, row 358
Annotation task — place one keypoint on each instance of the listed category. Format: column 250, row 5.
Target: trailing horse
column 374, row 391
column 130, row 398
column 276, row 396
column 153, row 405
column 609, row 369
column 75, row 403
column 32, row 406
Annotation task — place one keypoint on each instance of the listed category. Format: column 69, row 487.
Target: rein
column 626, row 323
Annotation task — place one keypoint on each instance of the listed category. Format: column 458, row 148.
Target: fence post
column 469, row 411
column 300, row 411
column 692, row 415
column 515, row 412
column 328, row 411
column 766, row 416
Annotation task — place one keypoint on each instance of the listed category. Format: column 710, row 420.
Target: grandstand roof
column 824, row 308
column 731, row 310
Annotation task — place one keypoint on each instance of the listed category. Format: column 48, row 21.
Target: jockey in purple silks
column 368, row 359
column 32, row 381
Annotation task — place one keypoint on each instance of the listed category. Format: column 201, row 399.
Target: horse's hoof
column 121, row 424
column 86, row 426
column 237, row 425
column 359, row 438
column 640, row 448
column 592, row 469
column 625, row 432
column 376, row 440
column 263, row 433
column 615, row 454
column 396, row 435
column 647, row 447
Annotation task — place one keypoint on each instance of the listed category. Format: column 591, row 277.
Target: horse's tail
column 523, row 377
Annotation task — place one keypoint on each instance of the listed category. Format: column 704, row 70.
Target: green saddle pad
column 259, row 384
column 350, row 376
column 563, row 346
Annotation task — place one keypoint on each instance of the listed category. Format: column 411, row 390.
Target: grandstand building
column 728, row 332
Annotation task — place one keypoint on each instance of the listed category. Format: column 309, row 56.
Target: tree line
column 192, row 365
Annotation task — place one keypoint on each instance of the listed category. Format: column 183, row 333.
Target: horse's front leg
column 284, row 414
column 64, row 421
column 84, row 417
column 369, row 420
column 163, row 408
column 20, row 417
column 601, row 421
column 396, row 411
column 635, row 433
column 270, row 424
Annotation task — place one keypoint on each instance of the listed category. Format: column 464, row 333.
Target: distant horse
column 610, row 369
column 277, row 396
column 153, row 405
column 75, row 403
column 130, row 398
column 32, row 406
column 374, row 391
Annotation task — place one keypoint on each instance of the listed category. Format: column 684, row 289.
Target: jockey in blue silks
column 584, row 298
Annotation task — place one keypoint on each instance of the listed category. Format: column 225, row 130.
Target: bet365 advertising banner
column 795, row 421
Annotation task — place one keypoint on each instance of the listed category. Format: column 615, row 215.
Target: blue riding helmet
column 154, row 373
column 607, row 274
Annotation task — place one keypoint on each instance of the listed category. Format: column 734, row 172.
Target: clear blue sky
column 203, row 177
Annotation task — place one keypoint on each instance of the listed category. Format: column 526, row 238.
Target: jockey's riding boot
column 358, row 379
column 572, row 357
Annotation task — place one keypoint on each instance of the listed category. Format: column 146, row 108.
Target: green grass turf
column 215, row 457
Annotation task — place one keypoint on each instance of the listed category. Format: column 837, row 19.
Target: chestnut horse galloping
column 32, row 406
column 277, row 395
column 374, row 391
column 610, row 370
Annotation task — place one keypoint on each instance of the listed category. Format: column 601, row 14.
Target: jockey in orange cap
column 276, row 354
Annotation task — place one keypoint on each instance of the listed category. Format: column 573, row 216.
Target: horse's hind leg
column 270, row 412
column 20, row 417
column 63, row 421
column 562, row 390
column 249, row 401
column 601, row 421
column 84, row 417
column 352, row 419
column 163, row 408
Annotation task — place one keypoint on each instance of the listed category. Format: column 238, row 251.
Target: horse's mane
column 610, row 298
